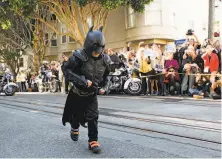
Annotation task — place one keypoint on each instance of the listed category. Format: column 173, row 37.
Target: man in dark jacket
column 115, row 60
column 44, row 69
column 85, row 70
column 65, row 59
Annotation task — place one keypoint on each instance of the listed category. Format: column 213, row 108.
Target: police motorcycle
column 116, row 80
column 124, row 80
column 133, row 85
column 6, row 85
column 48, row 82
column 53, row 83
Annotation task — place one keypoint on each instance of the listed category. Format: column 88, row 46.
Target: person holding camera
column 159, row 69
column 216, row 88
column 189, row 68
column 217, row 51
column 211, row 64
column 65, row 60
column 172, row 79
column 115, row 60
column 145, row 69
column 201, row 86
column 211, row 61
column 192, row 39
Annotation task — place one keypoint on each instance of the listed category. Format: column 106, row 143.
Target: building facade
column 162, row 22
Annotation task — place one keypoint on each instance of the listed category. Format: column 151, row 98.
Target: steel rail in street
column 13, row 106
column 112, row 109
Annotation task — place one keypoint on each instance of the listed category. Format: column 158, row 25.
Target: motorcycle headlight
column 115, row 79
column 8, row 76
column 122, row 69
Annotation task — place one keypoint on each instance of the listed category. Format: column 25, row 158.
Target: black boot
column 74, row 134
column 94, row 147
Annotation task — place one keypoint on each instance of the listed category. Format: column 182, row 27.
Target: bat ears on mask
column 91, row 29
column 101, row 29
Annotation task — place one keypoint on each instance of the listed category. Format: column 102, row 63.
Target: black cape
column 83, row 108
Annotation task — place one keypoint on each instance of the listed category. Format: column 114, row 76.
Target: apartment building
column 162, row 22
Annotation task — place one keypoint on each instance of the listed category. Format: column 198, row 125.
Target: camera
column 217, row 78
column 214, row 51
column 149, row 60
column 190, row 32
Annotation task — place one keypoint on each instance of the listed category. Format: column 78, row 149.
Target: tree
column 76, row 15
column 40, row 42
column 15, row 23
column 15, row 37
column 11, row 57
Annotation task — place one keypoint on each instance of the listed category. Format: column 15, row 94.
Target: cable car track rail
column 21, row 108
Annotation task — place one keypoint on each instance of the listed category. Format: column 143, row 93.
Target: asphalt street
column 134, row 127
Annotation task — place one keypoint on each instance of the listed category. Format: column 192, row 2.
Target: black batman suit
column 81, row 105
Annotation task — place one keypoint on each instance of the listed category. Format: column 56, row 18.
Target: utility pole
column 211, row 19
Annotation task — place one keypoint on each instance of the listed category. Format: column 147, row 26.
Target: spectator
column 152, row 80
column 190, row 67
column 211, row 61
column 44, row 69
column 199, row 86
column 159, row 68
column 216, row 89
column 171, row 63
column 145, row 69
column 65, row 59
column 211, row 65
column 218, row 52
column 29, row 77
column 172, row 80
column 55, row 72
column 192, row 40
column 23, row 80
column 18, row 81
column 115, row 60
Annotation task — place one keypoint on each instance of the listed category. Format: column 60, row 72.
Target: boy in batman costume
column 85, row 70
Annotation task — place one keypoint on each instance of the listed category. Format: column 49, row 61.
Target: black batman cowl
column 94, row 42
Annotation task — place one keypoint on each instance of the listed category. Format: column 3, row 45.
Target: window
column 204, row 25
column 153, row 18
column 70, row 6
column 46, row 38
column 53, row 17
column 89, row 21
column 173, row 19
column 191, row 24
column 21, row 62
column 54, row 39
column 71, row 40
column 63, row 37
column 131, row 18
column 153, row 13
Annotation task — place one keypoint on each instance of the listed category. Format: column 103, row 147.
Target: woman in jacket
column 145, row 70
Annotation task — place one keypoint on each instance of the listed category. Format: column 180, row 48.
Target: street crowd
column 193, row 68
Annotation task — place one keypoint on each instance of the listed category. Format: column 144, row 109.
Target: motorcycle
column 133, row 85
column 116, row 81
column 7, row 86
column 51, row 85
column 124, row 80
